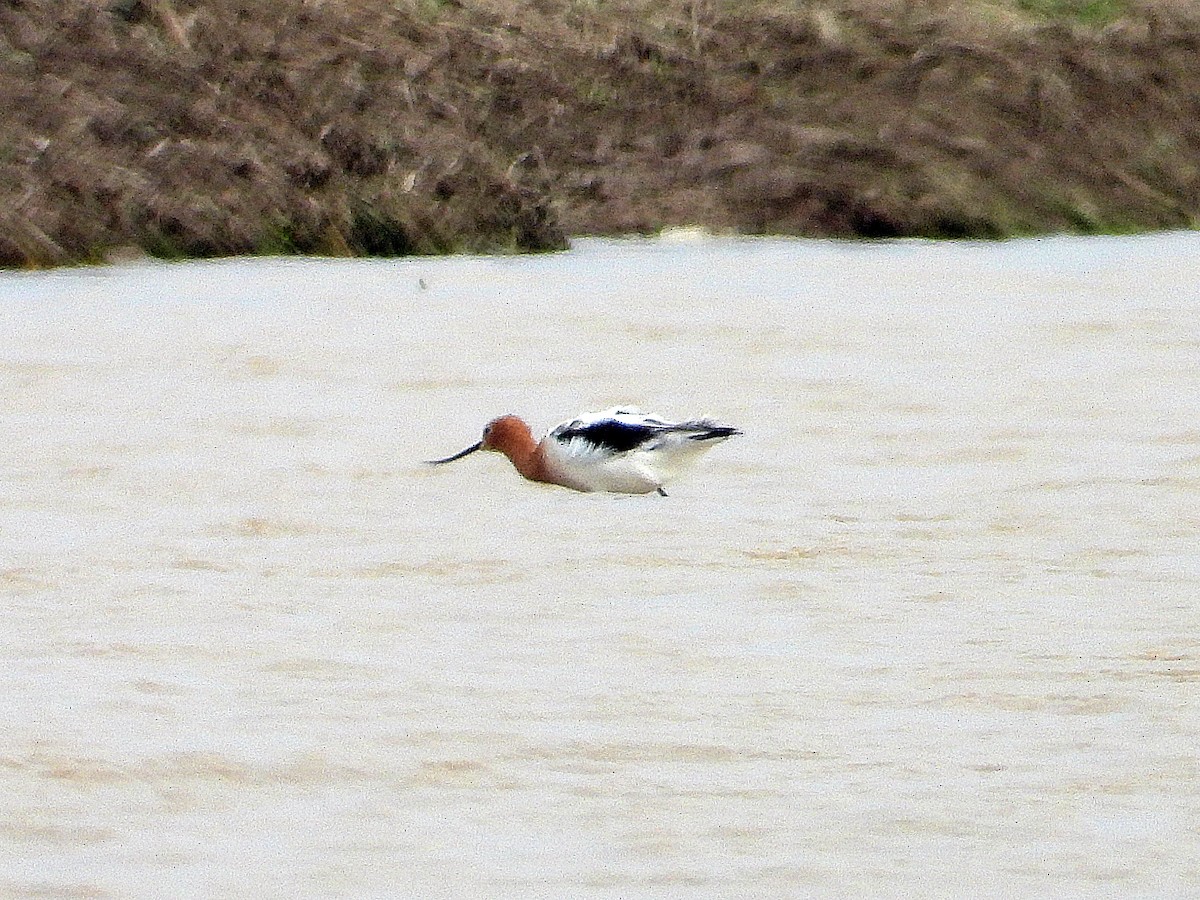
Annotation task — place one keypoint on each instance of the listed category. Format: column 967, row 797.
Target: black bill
column 471, row 449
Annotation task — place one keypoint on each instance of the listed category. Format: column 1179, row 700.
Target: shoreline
column 194, row 130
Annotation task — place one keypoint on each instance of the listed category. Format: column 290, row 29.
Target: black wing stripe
column 610, row 434
column 621, row 437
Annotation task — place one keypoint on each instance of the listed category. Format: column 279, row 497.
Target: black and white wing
column 625, row 450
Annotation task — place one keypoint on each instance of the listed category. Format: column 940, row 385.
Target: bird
column 620, row 450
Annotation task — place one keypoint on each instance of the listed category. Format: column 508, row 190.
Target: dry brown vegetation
column 213, row 127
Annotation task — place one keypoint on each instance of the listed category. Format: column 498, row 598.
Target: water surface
column 929, row 628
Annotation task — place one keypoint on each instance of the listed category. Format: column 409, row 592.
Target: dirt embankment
column 212, row 127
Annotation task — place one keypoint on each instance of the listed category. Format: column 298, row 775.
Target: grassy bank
column 189, row 128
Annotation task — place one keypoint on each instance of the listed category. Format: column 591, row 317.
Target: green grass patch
column 1092, row 13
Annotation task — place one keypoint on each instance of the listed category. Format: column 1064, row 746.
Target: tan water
column 931, row 627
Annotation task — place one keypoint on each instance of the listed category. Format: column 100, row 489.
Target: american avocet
column 619, row 450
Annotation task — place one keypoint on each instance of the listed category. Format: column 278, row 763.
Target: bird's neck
column 526, row 456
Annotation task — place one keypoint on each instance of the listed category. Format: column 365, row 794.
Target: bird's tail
column 705, row 430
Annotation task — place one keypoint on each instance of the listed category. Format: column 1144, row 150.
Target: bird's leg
column 661, row 492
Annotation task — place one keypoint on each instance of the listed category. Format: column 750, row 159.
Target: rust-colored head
column 508, row 434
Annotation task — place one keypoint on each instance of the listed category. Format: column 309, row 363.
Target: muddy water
column 931, row 627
